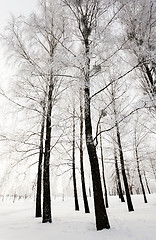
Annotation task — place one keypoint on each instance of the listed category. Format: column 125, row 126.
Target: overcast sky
column 8, row 7
column 16, row 7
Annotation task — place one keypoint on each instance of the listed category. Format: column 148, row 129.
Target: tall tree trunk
column 46, row 177
column 74, row 172
column 149, row 78
column 85, row 200
column 153, row 168
column 122, row 162
column 39, row 175
column 129, row 180
column 89, row 189
column 100, row 210
column 149, row 191
column 103, row 170
column 118, row 177
column 128, row 197
column 139, row 173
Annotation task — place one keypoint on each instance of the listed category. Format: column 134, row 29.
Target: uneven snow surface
column 17, row 221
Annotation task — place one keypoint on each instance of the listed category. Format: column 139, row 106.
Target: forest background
column 84, row 73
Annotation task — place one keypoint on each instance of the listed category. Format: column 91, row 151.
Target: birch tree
column 139, row 20
column 35, row 43
column 86, row 14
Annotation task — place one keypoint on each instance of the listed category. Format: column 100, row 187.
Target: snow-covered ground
column 17, row 221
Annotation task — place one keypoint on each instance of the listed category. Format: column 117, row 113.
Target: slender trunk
column 153, row 168
column 150, row 81
column 74, row 172
column 89, row 190
column 103, row 171
column 122, row 162
column 147, row 183
column 120, row 192
column 85, row 200
column 46, row 177
column 128, row 197
column 39, row 175
column 139, row 173
column 129, row 180
column 100, row 210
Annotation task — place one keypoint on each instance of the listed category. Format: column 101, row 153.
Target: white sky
column 8, row 7
column 15, row 7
